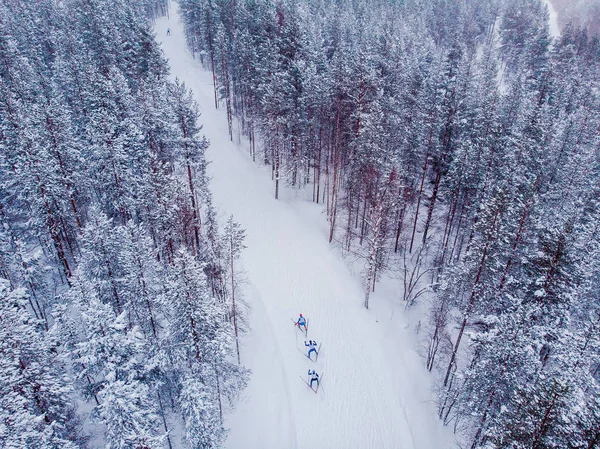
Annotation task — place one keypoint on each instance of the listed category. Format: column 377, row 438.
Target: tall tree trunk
column 399, row 226
column 58, row 245
column 65, row 176
column 542, row 429
column 448, row 229
column 164, row 419
column 336, row 174
column 471, row 302
column 363, row 223
column 227, row 96
column 142, row 281
column 211, row 50
column 349, row 223
column 372, row 260
column 519, row 234
column 193, row 201
column 434, row 195
column 234, row 308
column 277, row 155
column 419, row 196
column 318, row 164
column 219, row 394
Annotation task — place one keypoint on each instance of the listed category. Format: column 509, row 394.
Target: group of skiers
column 313, row 377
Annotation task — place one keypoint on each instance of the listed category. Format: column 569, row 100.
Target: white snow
column 554, row 27
column 375, row 392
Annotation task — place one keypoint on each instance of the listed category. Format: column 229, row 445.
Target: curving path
column 375, row 390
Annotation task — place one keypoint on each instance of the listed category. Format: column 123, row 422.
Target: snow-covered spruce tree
column 140, row 268
column 23, row 266
column 99, row 262
column 131, row 415
column 190, row 153
column 233, row 243
column 36, row 408
column 214, row 253
column 113, row 356
column 109, row 135
column 201, row 349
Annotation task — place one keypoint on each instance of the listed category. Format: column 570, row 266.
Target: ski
column 307, row 384
column 318, row 352
column 305, row 331
column 306, row 355
column 315, row 390
column 319, row 384
column 303, row 353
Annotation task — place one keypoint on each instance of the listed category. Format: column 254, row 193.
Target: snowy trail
column 375, row 389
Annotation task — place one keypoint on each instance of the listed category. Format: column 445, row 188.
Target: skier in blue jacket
column 301, row 323
column 312, row 347
column 313, row 377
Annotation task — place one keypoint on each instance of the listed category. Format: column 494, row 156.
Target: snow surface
column 553, row 20
column 375, row 392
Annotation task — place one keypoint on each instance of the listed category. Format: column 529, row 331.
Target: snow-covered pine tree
column 201, row 348
column 233, row 242
column 190, row 154
column 36, row 407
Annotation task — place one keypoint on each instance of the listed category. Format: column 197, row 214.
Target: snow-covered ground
column 553, row 20
column 375, row 392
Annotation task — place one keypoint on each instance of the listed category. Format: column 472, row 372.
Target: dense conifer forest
column 114, row 272
column 456, row 142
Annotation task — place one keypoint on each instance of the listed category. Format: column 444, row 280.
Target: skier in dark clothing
column 168, row 31
column 313, row 377
column 312, row 347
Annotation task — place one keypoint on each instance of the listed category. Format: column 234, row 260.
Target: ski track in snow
column 375, row 388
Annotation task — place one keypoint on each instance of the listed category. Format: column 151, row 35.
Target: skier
column 301, row 322
column 313, row 377
column 168, row 31
column 312, row 347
